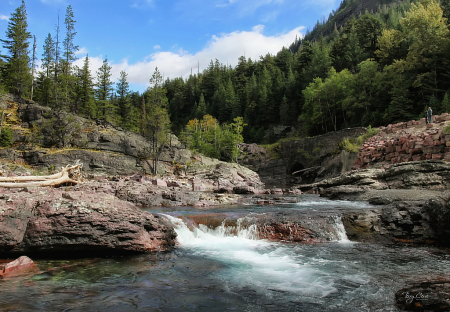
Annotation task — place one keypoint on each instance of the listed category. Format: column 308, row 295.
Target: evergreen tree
column 156, row 123
column 17, row 71
column 85, row 91
column 104, row 85
column 48, row 57
column 69, row 47
column 6, row 137
column 123, row 101
column 201, row 108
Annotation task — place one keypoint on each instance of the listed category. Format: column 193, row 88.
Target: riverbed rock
column 42, row 220
column 20, row 264
column 413, row 198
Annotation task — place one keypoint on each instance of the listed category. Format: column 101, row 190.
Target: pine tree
column 48, row 57
column 18, row 76
column 104, row 90
column 122, row 90
column 156, row 125
column 85, row 90
column 69, row 47
column 201, row 108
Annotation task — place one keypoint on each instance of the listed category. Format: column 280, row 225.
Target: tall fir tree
column 123, row 101
column 48, row 56
column 17, row 71
column 85, row 91
column 105, row 109
column 69, row 47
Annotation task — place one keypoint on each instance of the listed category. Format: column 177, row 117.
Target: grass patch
column 352, row 146
column 273, row 150
column 446, row 129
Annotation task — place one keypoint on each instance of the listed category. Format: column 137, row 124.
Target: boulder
column 19, row 264
column 56, row 221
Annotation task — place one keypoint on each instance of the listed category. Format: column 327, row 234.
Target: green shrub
column 447, row 130
column 7, row 137
column 353, row 145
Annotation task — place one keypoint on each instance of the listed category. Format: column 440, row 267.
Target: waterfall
column 340, row 231
column 251, row 261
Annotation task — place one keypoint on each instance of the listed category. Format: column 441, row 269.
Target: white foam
column 253, row 261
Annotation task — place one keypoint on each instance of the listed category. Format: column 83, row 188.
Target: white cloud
column 227, row 48
column 82, row 51
column 157, row 47
column 4, row 18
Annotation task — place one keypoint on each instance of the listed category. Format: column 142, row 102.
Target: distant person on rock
column 426, row 116
column 429, row 115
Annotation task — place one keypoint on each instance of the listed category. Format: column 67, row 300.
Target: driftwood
column 68, row 174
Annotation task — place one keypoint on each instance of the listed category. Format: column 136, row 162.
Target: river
column 224, row 268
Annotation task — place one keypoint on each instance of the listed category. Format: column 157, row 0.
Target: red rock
column 415, row 151
column 437, row 156
column 447, row 155
column 416, row 157
column 440, row 118
column 19, row 264
column 402, row 140
column 428, row 142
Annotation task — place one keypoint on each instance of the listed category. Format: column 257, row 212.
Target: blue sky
column 175, row 35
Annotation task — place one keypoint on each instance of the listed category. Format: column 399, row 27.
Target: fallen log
column 68, row 174
column 32, row 178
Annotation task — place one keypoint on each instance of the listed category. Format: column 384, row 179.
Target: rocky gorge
column 103, row 215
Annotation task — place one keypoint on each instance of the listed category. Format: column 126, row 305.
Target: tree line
column 379, row 67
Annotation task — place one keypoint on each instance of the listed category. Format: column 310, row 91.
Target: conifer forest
column 373, row 67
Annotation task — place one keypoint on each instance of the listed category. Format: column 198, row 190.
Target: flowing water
column 227, row 268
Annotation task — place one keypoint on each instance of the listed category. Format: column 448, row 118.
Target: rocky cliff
column 311, row 159
column 106, row 150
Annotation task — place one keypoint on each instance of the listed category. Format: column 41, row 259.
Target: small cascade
column 253, row 262
column 340, row 231
column 243, row 231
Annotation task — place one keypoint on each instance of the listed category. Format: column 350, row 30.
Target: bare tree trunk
column 69, row 174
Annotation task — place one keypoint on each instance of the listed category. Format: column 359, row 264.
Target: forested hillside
column 370, row 63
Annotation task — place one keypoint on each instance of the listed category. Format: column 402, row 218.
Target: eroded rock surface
column 67, row 222
column 413, row 199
